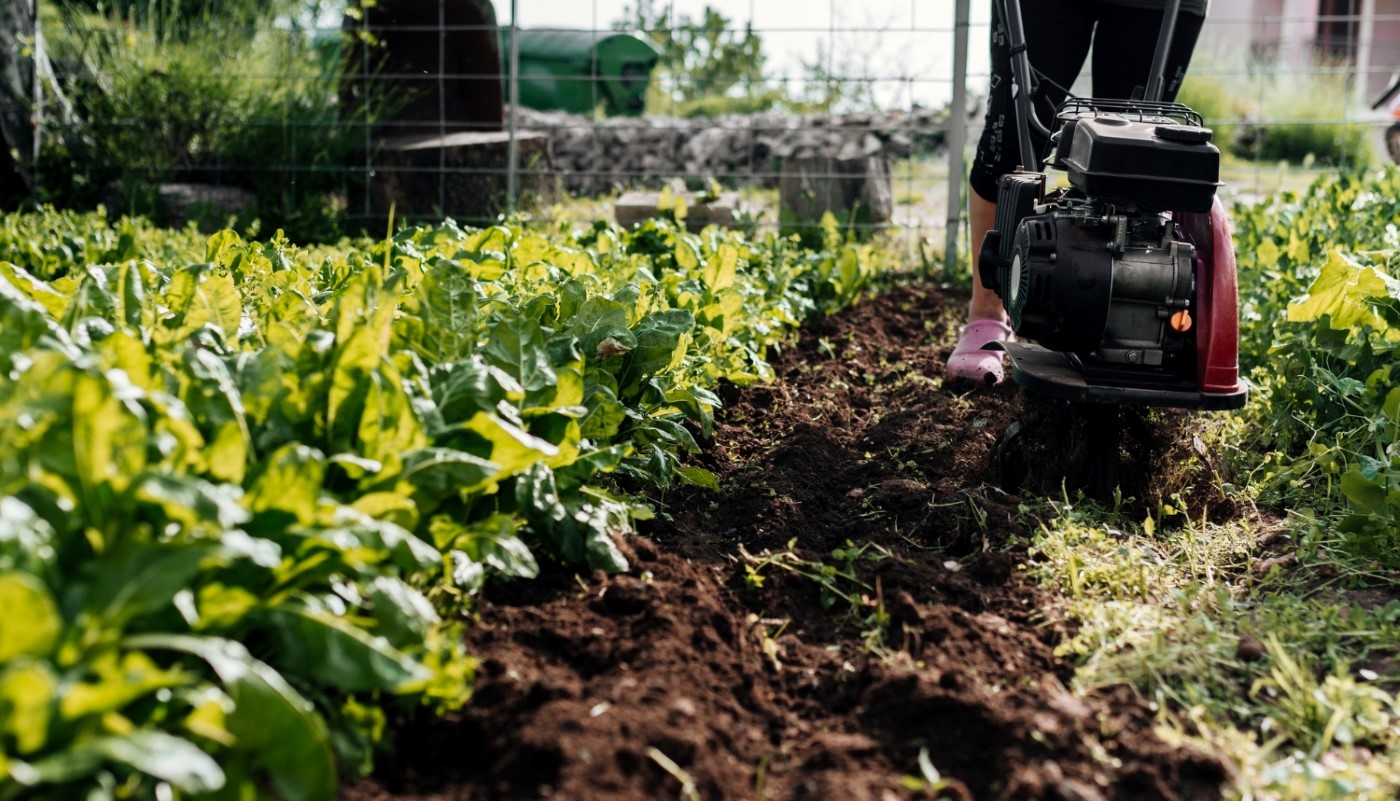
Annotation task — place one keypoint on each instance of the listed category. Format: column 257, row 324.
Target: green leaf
column 447, row 473
column 405, row 550
column 144, row 578
column 31, row 624
column 335, row 652
column 193, row 502
column 355, row 362
column 219, row 244
column 1391, row 407
column 447, row 307
column 1367, row 493
column 605, row 413
column 130, row 282
column 720, row 267
column 290, row 482
column 517, row 346
column 28, row 542
column 199, row 296
column 53, row 301
column 109, row 436
column 28, row 696
column 462, row 389
column 662, row 338
column 1342, row 291
column 389, row 425
column 91, row 299
column 165, row 757
column 493, row 542
column 509, row 447
column 601, row 328
column 698, row 476
column 402, row 615
column 270, row 720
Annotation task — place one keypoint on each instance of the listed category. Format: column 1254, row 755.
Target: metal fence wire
column 324, row 119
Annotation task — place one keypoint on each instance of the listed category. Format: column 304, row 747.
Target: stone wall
column 595, row 156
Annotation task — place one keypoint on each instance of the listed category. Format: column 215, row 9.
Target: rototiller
column 1121, row 287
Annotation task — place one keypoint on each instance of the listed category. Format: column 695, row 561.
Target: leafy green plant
column 242, row 482
column 1320, row 281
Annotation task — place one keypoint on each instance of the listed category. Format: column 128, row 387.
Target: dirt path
column 879, row 615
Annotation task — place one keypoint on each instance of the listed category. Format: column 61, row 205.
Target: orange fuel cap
column 1181, row 321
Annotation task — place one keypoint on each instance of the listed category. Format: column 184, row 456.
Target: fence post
column 1365, row 42
column 38, row 91
column 513, row 146
column 957, row 136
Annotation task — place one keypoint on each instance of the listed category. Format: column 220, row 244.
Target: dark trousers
column 1059, row 36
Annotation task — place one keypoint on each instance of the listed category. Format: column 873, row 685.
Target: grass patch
column 1258, row 638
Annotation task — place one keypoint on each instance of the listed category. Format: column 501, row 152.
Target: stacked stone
column 595, row 156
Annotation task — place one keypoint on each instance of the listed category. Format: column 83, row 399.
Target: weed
column 1168, row 612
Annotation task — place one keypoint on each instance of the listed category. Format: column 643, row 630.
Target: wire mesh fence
column 326, row 119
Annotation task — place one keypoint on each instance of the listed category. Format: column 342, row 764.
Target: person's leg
column 1058, row 33
column 986, row 304
column 1125, row 43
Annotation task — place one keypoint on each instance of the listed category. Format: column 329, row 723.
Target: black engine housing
column 1098, row 269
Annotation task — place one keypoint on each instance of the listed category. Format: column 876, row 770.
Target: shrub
column 1272, row 115
column 1306, row 119
column 263, row 116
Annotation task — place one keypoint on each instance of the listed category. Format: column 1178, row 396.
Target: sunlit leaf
column 31, row 623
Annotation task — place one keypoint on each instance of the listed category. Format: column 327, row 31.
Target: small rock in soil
column 1249, row 649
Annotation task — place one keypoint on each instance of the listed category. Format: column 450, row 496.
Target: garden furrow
column 846, row 617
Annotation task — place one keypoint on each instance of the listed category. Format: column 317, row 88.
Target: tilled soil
column 846, row 612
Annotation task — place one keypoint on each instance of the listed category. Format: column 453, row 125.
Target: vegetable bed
column 509, row 513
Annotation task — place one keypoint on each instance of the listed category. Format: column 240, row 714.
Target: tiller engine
column 1125, row 279
column 1120, row 287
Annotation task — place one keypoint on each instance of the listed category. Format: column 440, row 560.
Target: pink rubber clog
column 970, row 362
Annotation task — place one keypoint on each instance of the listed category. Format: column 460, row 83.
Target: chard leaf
column 446, row 473
column 389, row 426
column 25, row 324
column 506, row 445
column 494, row 543
column 27, row 541
column 219, row 244
column 92, row 298
column 517, row 346
column 601, row 320
column 464, row 388
column 163, row 756
column 30, row 625
column 145, row 578
column 289, row 482
column 28, row 697
column 447, row 306
column 270, row 720
column 402, row 615
column 193, row 502
column 41, row 293
column 661, row 338
column 720, row 268
column 605, row 413
column 109, row 436
column 334, row 651
column 199, row 296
